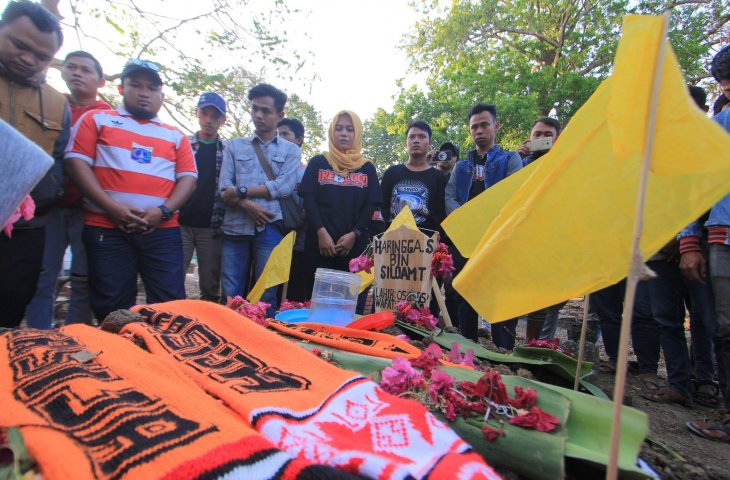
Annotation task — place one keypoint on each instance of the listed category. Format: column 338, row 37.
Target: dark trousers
column 703, row 326
column 667, row 308
column 503, row 333
column 21, row 260
column 644, row 328
column 116, row 258
column 298, row 278
column 607, row 305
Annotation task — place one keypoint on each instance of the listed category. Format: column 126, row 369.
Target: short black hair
column 419, row 124
column 553, row 122
column 294, row 125
column 82, row 54
column 450, row 146
column 719, row 104
column 41, row 18
column 266, row 90
column 699, row 95
column 720, row 66
column 482, row 107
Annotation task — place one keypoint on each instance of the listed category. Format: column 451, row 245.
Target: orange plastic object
column 374, row 321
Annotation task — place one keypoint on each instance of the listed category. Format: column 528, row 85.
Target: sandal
column 719, row 431
column 668, row 395
column 608, row 366
column 650, row 381
column 707, row 393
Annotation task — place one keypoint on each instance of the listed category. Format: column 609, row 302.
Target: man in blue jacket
column 697, row 268
column 483, row 167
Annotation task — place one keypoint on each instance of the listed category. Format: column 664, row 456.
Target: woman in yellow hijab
column 340, row 190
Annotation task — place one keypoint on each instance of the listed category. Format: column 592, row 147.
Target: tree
column 531, row 58
column 200, row 47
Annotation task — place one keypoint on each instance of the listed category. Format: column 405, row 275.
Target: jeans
column 703, row 327
column 237, row 254
column 644, row 328
column 720, row 275
column 63, row 229
column 607, row 305
column 21, row 258
column 116, row 258
column 666, row 293
column 209, row 259
column 503, row 333
column 543, row 323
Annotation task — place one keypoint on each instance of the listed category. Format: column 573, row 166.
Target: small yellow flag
column 276, row 270
column 404, row 217
column 567, row 230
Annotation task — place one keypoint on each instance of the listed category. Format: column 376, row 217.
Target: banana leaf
column 581, row 442
column 552, row 360
column 589, row 425
column 541, row 455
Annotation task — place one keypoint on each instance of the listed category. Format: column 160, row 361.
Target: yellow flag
column 404, row 217
column 276, row 270
column 567, row 230
column 466, row 225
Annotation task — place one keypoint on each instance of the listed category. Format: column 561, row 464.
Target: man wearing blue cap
column 201, row 216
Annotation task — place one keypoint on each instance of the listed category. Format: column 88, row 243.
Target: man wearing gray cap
column 202, row 214
column 135, row 173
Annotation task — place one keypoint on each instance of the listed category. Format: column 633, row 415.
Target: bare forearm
column 184, row 187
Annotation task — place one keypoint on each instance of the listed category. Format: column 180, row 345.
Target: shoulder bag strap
column 262, row 160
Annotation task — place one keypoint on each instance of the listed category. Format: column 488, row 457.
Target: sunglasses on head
column 142, row 63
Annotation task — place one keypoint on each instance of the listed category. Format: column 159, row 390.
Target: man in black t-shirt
column 415, row 183
column 201, row 216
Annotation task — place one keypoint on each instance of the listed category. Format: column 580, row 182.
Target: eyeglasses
column 142, row 63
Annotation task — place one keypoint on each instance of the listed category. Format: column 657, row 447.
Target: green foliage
column 200, row 48
column 315, row 132
column 532, row 59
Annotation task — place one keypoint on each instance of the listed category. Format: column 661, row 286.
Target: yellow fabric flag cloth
column 276, row 270
column 567, row 230
column 466, row 225
column 404, row 217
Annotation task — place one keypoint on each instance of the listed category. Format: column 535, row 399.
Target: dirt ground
column 671, row 450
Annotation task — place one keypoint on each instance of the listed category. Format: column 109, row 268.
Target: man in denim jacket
column 484, row 166
column 696, row 267
column 252, row 222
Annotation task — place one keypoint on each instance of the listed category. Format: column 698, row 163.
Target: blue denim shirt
column 720, row 213
column 500, row 165
column 241, row 167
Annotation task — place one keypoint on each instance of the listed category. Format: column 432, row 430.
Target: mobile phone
column 540, row 144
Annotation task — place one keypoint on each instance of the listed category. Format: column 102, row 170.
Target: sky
column 356, row 52
column 355, row 45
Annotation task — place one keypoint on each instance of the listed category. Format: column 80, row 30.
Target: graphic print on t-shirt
column 412, row 193
column 478, row 175
column 353, row 179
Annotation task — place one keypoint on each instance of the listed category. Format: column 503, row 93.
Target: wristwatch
column 242, row 192
column 357, row 232
column 166, row 213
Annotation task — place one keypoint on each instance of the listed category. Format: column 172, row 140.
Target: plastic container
column 334, row 297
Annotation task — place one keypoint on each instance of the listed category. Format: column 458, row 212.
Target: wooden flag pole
column 284, row 290
column 441, row 303
column 582, row 341
column 637, row 267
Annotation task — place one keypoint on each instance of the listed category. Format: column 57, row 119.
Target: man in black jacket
column 30, row 36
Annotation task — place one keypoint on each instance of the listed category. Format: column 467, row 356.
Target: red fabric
column 72, row 197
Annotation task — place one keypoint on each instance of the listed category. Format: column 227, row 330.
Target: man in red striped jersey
column 135, row 173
